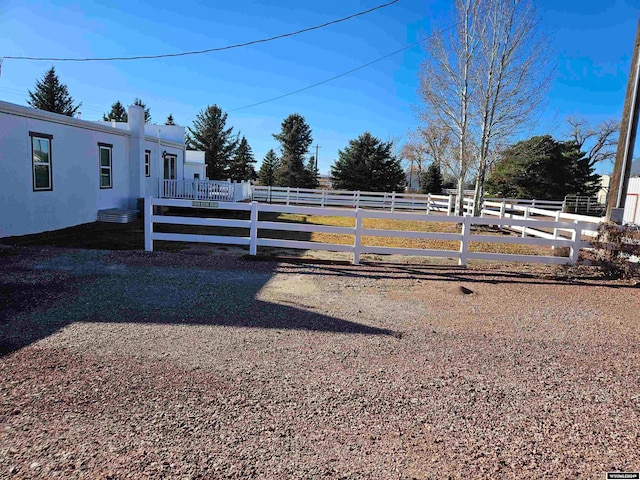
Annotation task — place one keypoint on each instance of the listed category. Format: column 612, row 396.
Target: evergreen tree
column 210, row 134
column 241, row 166
column 295, row 140
column 147, row 114
column 368, row 164
column 268, row 169
column 313, row 172
column 432, row 181
column 52, row 96
column 118, row 113
column 543, row 168
column 169, row 120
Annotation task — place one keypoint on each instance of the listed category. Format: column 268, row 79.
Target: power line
column 208, row 50
column 343, row 73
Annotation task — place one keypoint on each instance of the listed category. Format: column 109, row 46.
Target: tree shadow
column 86, row 286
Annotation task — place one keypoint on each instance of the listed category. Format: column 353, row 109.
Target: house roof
column 107, row 127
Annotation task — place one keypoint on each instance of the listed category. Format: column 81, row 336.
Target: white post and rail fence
column 254, row 227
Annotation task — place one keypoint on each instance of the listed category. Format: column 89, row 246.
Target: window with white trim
column 147, row 163
column 41, row 161
column 106, row 174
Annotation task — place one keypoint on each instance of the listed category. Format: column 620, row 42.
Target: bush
column 617, row 250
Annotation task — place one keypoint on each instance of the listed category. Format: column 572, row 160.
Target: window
column 41, row 161
column 196, row 176
column 147, row 163
column 105, row 165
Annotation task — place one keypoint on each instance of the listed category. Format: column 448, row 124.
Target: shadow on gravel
column 86, row 287
column 448, row 273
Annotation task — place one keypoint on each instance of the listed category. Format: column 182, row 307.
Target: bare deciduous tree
column 484, row 79
column 511, row 75
column 446, row 83
column 600, row 141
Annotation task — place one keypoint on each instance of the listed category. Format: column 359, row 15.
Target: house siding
column 76, row 195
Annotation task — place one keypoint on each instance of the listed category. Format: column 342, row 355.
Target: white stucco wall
column 76, row 196
column 194, row 164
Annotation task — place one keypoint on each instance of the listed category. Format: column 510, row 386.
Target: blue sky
column 591, row 42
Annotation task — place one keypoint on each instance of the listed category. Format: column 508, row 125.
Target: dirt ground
column 193, row 365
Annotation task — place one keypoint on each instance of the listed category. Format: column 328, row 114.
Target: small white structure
column 632, row 202
column 57, row 171
column 194, row 166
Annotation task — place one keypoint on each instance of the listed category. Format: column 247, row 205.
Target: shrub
column 617, row 250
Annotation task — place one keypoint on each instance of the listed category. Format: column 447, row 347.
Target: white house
column 57, row 171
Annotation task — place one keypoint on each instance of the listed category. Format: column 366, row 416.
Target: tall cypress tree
column 169, row 120
column 368, row 164
column 295, row 139
column 268, row 169
column 52, row 96
column 210, row 134
column 241, row 167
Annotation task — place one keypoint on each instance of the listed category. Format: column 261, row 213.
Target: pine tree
column 268, row 169
column 147, row 114
column 368, row 164
column 118, row 113
column 52, row 96
column 209, row 133
column 241, row 167
column 543, row 168
column 313, row 172
column 431, row 181
column 295, row 139
column 169, row 120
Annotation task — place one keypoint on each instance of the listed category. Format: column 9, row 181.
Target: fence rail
column 354, row 199
column 465, row 237
column 205, row 190
column 504, row 209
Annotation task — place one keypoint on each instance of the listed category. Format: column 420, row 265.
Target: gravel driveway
column 134, row 365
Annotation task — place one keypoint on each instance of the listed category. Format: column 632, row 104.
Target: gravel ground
column 188, row 365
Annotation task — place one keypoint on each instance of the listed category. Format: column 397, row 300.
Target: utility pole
column 626, row 142
column 316, row 166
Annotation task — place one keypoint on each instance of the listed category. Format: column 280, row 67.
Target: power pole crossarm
column 626, row 142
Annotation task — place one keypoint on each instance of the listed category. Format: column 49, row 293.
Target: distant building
column 325, row 181
column 413, row 179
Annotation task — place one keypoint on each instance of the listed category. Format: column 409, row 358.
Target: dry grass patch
column 406, row 225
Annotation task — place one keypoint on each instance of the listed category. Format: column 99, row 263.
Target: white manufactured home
column 57, row 171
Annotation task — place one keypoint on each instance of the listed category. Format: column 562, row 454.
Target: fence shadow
column 95, row 289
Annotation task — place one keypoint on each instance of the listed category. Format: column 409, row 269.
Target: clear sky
column 592, row 42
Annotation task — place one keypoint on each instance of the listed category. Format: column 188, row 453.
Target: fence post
column 393, row 201
column 323, row 198
column 297, row 195
column 526, row 216
column 288, row 194
column 464, row 242
column 148, row 224
column 357, row 238
column 576, row 238
column 428, row 203
column 449, row 205
column 556, row 230
column 253, row 229
column 358, row 199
